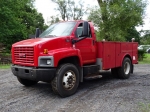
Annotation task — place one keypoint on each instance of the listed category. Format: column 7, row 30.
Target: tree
column 32, row 19
column 18, row 19
column 116, row 17
column 145, row 39
column 132, row 33
column 70, row 10
column 53, row 19
column 11, row 22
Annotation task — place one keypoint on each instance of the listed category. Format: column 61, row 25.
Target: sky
column 46, row 7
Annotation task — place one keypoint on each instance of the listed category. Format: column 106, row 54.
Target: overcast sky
column 46, row 7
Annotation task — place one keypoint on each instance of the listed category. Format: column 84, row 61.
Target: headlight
column 46, row 61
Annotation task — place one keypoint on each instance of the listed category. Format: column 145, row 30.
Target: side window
column 90, row 35
column 79, row 31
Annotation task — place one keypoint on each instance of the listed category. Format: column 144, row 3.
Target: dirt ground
column 106, row 94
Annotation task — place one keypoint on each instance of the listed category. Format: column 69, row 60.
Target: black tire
column 66, row 73
column 125, row 71
column 27, row 82
column 114, row 72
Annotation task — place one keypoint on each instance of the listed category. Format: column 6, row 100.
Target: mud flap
column 132, row 68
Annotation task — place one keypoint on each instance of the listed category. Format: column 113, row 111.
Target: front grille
column 24, row 55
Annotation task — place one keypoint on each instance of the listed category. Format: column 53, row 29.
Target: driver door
column 86, row 46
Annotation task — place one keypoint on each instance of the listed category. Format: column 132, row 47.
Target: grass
column 145, row 60
column 4, row 66
column 144, row 107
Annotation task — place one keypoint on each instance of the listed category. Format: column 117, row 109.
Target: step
column 93, row 77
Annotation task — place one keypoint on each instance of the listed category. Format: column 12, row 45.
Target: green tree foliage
column 70, row 10
column 53, row 19
column 132, row 33
column 18, row 19
column 10, row 22
column 145, row 39
column 116, row 18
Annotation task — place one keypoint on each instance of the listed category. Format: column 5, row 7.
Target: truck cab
column 66, row 53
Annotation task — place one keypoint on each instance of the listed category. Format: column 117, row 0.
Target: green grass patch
column 144, row 107
column 4, row 66
column 146, row 60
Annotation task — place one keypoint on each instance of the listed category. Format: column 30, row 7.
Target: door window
column 79, row 31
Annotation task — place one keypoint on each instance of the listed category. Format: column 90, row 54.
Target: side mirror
column 37, row 33
column 85, row 28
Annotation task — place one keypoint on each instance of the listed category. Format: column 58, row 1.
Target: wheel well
column 73, row 59
column 132, row 66
column 128, row 56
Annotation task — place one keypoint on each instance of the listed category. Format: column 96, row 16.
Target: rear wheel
column 125, row 71
column 66, row 81
column 26, row 82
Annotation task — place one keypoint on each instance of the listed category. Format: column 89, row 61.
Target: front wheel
column 125, row 71
column 66, row 81
column 27, row 82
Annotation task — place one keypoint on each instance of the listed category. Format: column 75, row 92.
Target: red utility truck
column 66, row 53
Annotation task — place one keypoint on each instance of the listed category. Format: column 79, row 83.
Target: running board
column 93, row 77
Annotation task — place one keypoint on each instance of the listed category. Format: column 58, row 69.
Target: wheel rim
column 127, row 68
column 69, row 80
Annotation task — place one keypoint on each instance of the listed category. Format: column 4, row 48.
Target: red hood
column 32, row 42
column 45, row 43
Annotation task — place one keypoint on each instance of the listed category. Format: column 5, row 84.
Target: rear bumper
column 37, row 74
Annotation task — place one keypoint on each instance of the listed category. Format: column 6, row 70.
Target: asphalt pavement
column 106, row 94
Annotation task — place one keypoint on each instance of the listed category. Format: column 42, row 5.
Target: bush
column 141, row 54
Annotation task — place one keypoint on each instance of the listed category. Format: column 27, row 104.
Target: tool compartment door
column 109, row 52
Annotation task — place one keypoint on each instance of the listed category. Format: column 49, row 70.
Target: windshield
column 59, row 29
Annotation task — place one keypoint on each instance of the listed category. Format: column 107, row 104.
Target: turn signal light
column 45, row 51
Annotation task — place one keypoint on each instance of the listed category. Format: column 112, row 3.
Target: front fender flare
column 64, row 53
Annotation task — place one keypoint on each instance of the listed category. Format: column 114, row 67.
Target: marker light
column 45, row 51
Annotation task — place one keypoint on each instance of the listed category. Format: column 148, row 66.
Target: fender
column 64, row 53
column 127, row 54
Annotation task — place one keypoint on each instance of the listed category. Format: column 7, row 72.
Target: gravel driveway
column 101, row 95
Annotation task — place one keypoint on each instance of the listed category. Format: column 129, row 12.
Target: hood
column 45, row 43
column 32, row 42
